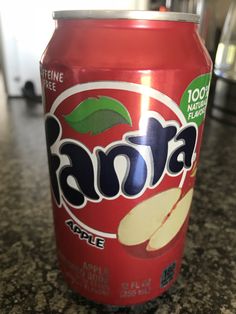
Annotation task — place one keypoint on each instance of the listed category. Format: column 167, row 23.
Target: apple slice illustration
column 143, row 220
column 172, row 224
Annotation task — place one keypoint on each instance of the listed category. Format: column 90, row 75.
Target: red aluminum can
column 125, row 97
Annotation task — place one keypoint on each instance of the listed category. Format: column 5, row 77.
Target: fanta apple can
column 125, row 96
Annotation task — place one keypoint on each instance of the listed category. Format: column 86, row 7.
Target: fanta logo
column 128, row 167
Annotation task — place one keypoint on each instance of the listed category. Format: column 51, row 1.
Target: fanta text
column 123, row 168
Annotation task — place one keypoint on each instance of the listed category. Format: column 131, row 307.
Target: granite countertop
column 30, row 281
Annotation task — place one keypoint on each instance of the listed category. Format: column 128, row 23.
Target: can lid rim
column 126, row 15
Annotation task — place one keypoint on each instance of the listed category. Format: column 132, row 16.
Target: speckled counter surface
column 30, row 281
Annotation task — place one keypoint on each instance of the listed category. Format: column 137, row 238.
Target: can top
column 127, row 15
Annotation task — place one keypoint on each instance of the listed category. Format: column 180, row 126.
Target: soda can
column 125, row 96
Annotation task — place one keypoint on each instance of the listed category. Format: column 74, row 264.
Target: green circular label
column 194, row 100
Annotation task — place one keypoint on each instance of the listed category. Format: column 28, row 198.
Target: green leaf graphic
column 96, row 115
